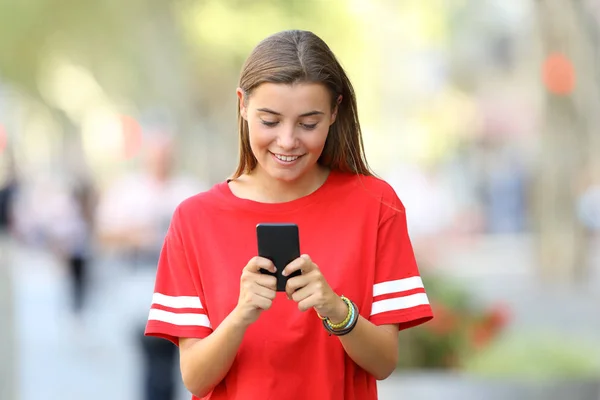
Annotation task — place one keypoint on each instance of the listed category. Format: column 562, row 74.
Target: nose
column 286, row 139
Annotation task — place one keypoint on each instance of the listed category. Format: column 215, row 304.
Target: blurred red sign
column 559, row 74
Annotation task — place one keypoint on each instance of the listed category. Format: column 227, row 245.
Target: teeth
column 286, row 158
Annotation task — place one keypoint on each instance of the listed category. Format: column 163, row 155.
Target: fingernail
column 284, row 273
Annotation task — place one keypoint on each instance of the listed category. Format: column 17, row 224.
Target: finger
column 261, row 302
column 257, row 263
column 266, row 292
column 302, row 263
column 295, row 283
column 266, row 281
column 295, row 265
column 302, row 294
column 307, row 303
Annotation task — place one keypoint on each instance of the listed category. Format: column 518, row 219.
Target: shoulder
column 201, row 203
column 192, row 211
column 380, row 186
column 371, row 195
column 206, row 197
column 369, row 189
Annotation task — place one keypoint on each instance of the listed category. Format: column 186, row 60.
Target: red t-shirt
column 353, row 227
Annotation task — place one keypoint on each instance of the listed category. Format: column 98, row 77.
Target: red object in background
column 559, row 74
column 132, row 136
column 3, row 139
column 490, row 326
column 498, row 317
column 481, row 336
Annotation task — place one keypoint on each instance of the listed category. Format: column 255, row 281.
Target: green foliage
column 31, row 30
column 538, row 357
column 460, row 327
column 124, row 43
column 235, row 27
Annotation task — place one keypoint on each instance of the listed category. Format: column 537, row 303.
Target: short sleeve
column 177, row 308
column 398, row 293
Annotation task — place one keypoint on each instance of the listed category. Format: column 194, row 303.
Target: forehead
column 292, row 99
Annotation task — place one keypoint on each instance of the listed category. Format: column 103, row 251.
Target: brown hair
column 296, row 56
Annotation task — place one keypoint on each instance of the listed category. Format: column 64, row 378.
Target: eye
column 309, row 127
column 270, row 124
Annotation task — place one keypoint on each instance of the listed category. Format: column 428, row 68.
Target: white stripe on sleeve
column 399, row 303
column 179, row 319
column 176, row 301
column 400, row 285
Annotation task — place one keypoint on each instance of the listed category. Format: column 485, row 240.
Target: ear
column 336, row 108
column 242, row 102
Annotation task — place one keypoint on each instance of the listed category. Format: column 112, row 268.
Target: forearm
column 207, row 362
column 374, row 348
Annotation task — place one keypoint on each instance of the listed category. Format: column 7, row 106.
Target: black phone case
column 279, row 243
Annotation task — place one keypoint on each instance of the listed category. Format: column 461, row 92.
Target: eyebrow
column 308, row 114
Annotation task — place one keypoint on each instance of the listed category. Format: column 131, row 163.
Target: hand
column 312, row 290
column 257, row 290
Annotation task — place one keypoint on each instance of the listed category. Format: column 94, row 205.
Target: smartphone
column 280, row 243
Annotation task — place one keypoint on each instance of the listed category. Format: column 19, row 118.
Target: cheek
column 315, row 141
column 260, row 136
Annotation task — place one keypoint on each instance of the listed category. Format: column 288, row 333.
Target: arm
column 180, row 310
column 373, row 343
column 205, row 362
column 374, row 348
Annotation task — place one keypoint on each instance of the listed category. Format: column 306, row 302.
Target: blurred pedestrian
column 133, row 216
column 55, row 212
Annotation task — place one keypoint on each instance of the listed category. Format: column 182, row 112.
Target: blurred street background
column 482, row 114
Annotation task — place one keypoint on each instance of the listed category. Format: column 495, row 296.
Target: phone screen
column 280, row 243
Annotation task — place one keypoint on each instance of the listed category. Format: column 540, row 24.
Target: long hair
column 296, row 56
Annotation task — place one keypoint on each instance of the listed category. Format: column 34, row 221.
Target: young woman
column 334, row 331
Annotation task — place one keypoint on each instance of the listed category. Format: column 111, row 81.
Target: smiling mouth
column 286, row 158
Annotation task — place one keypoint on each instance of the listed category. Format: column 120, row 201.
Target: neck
column 276, row 191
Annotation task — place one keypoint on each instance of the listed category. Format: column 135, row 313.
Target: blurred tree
column 116, row 40
column 183, row 56
column 571, row 101
column 134, row 50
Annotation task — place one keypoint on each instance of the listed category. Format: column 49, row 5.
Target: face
column 288, row 126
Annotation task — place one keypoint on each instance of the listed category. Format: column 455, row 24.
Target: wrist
column 340, row 311
column 237, row 320
column 347, row 325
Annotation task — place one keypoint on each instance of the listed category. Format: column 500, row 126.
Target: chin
column 285, row 176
